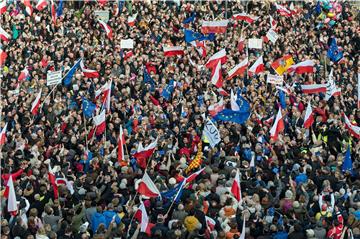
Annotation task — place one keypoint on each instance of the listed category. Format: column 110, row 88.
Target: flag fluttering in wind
column 278, row 126
column 100, row 123
column 88, row 72
column 3, row 7
column 282, row 64
column 245, row 17
column 28, row 7
column 3, row 134
column 303, row 67
column 283, row 11
column 69, row 75
column 347, row 164
column 147, row 187
column 216, row 76
column 353, row 129
column 214, row 59
column 235, row 188
column 313, row 88
column 12, row 207
column 41, row 4
column 214, row 26
column 309, row 116
column 143, row 154
column 239, row 69
column 107, row 29
column 257, row 67
column 121, row 145
column 36, row 104
column 4, row 35
column 173, row 51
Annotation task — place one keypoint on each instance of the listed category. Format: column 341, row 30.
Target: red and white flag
column 200, row 47
column 238, row 69
column 28, row 8
column 36, row 104
column 4, row 35
column 173, row 51
column 127, row 55
column 23, row 75
column 53, row 12
column 313, row 88
column 3, row 7
column 270, row 120
column 278, row 126
column 121, row 144
column 143, row 154
column 63, row 181
column 3, row 135
column 242, row 235
column 193, row 176
column 354, row 129
column 210, row 223
column 107, row 29
column 272, row 23
column 218, row 56
column 106, row 91
column 303, row 67
column 52, row 180
column 216, row 76
column 214, row 26
column 147, row 187
column 331, row 88
column 235, row 188
column 142, row 217
column 358, row 91
column 222, row 92
column 245, row 17
column 241, row 44
column 87, row 72
column 12, row 206
column 41, row 4
column 283, row 11
column 216, row 108
column 131, row 20
column 3, row 56
column 257, row 67
column 309, row 116
column 100, row 123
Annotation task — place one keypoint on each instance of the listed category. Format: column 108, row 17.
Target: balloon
column 331, row 14
column 332, row 23
column 327, row 20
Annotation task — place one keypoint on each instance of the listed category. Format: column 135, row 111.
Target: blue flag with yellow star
column 334, row 52
column 196, row 36
column 167, row 92
column 88, row 107
column 239, row 116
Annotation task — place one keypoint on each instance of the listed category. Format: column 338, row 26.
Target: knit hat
column 288, row 194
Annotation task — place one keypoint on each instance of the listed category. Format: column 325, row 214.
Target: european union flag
column 334, row 53
column 318, row 8
column 120, row 5
column 71, row 72
column 87, row 160
column 175, row 193
column 167, row 92
column 59, row 9
column 88, row 107
column 239, row 116
column 196, row 36
column 347, row 164
column 149, row 80
column 190, row 19
column 282, row 99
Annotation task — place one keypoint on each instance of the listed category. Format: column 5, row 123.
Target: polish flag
column 35, row 105
column 216, row 76
column 200, row 47
column 242, row 235
column 63, row 181
column 358, row 91
column 127, row 55
column 142, row 217
column 216, row 108
column 3, row 135
column 278, row 126
column 131, row 20
column 354, row 130
column 272, row 23
column 303, row 67
column 309, row 116
column 28, row 8
column 235, row 188
column 214, row 26
column 3, row 6
column 106, row 90
column 3, row 56
column 173, row 51
column 100, row 123
column 121, row 144
column 210, row 223
column 257, row 67
column 283, row 11
column 108, row 30
column 193, row 176
column 53, row 12
column 241, row 44
column 41, row 4
column 52, row 180
column 222, row 92
column 147, row 187
column 245, row 17
column 218, row 56
column 23, row 75
column 238, row 69
column 12, row 203
column 270, row 120
column 143, row 154
column 4, row 35
column 313, row 88
column 87, row 72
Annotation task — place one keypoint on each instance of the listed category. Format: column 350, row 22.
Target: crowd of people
column 293, row 187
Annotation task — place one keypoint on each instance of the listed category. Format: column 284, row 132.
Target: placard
column 211, row 133
column 53, row 78
column 127, row 44
column 255, row 43
column 274, row 79
column 103, row 15
column 272, row 35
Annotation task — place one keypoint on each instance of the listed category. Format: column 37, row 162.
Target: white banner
column 255, row 43
column 211, row 133
column 102, row 15
column 272, row 35
column 127, row 44
column 53, row 78
column 274, row 79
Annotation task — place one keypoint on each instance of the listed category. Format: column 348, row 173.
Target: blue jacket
column 280, row 235
column 96, row 220
column 109, row 216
